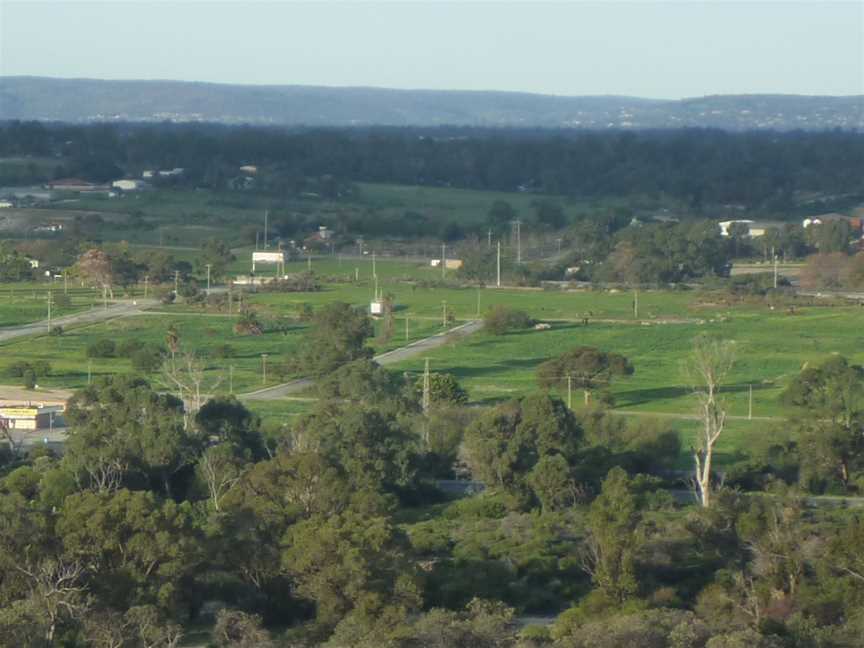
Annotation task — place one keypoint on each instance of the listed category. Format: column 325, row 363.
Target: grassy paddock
column 772, row 348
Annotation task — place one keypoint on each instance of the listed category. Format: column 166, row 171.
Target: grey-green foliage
column 503, row 445
column 613, row 542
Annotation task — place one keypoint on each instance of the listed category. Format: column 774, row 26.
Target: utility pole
column 636, row 303
column 176, row 283
column 208, row 279
column 230, row 296
column 146, row 285
column 775, row 270
column 266, row 217
column 444, row 313
column 374, row 267
column 65, row 284
column 478, row 302
column 518, row 225
column 750, row 405
column 489, row 238
column 263, row 368
column 257, row 236
column 426, row 388
column 230, row 379
column 309, row 262
column 498, row 283
column 49, row 311
column 443, row 260
column 569, row 391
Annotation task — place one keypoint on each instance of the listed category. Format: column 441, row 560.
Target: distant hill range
column 88, row 100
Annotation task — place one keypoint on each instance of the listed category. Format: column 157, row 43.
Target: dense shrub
column 103, row 348
column 38, row 367
column 147, row 359
column 300, row 282
column 501, row 319
column 127, row 348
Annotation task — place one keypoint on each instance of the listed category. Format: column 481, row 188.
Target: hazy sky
column 651, row 49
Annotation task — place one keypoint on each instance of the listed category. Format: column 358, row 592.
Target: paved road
column 391, row 357
column 118, row 309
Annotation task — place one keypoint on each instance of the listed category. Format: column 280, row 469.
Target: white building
column 269, row 258
column 129, row 185
column 753, row 229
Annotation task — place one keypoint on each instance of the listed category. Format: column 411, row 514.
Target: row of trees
column 701, row 167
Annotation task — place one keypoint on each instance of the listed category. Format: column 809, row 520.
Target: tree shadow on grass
column 516, row 364
column 640, row 396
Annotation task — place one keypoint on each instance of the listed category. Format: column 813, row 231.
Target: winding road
column 390, row 357
column 123, row 308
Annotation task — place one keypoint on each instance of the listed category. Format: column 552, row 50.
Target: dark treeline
column 766, row 170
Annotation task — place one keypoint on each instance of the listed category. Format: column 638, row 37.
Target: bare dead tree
column 106, row 475
column 220, row 471
column 57, row 588
column 589, row 555
column 151, row 628
column 105, row 628
column 185, row 375
column 707, row 369
column 16, row 446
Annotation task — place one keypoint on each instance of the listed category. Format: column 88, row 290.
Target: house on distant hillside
column 249, row 169
column 450, row 264
column 49, row 227
column 129, row 185
column 73, row 184
column 754, row 229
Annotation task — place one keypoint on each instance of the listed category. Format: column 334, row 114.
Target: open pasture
column 22, row 303
column 204, row 335
column 772, row 348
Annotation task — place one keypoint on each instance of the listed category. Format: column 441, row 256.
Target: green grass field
column 22, row 303
column 771, row 349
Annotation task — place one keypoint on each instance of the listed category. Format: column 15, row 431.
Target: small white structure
column 249, row 169
column 147, row 174
column 167, row 173
column 34, row 263
column 753, row 229
column 323, row 233
column 5, row 204
column 725, row 226
column 450, row 264
column 49, row 227
column 129, row 185
column 811, row 221
column 376, row 307
column 269, row 258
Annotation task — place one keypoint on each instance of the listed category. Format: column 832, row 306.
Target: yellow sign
column 19, row 412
